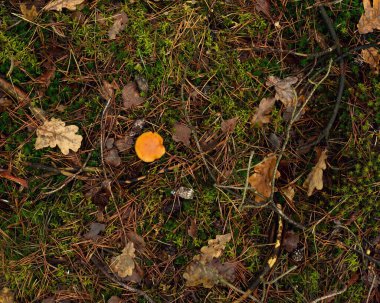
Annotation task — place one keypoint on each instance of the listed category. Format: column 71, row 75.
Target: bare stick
column 246, row 180
column 330, row 295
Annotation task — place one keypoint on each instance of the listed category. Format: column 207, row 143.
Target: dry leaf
column 315, row 178
column 181, row 133
column 288, row 192
column 261, row 180
column 58, row 5
column 107, row 90
column 48, row 75
column 284, row 89
column 371, row 56
column 115, row 299
column 95, row 229
column 118, row 25
column 6, row 296
column 370, row 20
column 262, row 114
column 228, row 126
column 142, row 84
column 28, row 13
column 124, row 144
column 138, row 241
column 216, row 246
column 290, row 241
column 7, row 175
column 206, row 268
column 5, row 103
column 131, row 95
column 123, row 265
column 111, row 157
column 193, row 229
column 54, row 132
column 263, row 6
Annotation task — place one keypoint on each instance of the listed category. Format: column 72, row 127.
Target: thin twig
column 281, row 276
column 233, row 287
column 246, row 180
column 102, row 135
column 330, row 295
column 372, row 286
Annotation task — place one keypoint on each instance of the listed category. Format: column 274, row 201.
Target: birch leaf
column 54, row 132
column 58, row 5
column 315, row 178
column 123, row 265
column 261, row 180
column 370, row 20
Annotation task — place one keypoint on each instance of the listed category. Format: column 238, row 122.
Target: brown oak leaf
column 315, row 178
column 124, row 264
column 28, row 13
column 131, row 96
column 371, row 56
column 284, row 89
column 181, row 133
column 262, row 113
column 370, row 20
column 229, row 125
column 119, row 24
column 58, row 5
column 261, row 180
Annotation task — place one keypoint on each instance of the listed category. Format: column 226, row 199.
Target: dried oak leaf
column 54, row 132
column 115, row 299
column 206, row 268
column 95, row 229
column 370, row 20
column 262, row 114
column 6, row 296
column 263, row 6
column 58, row 5
column 28, row 13
column 288, row 192
column 284, row 89
column 119, row 24
column 229, row 125
column 131, row 96
column 123, row 265
column 371, row 56
column 315, row 178
column 261, row 180
column 181, row 133
column 290, row 241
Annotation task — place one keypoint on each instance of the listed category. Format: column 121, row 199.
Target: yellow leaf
column 123, row 265
column 28, row 13
column 58, row 5
column 315, row 178
column 370, row 20
column 54, row 132
column 261, row 180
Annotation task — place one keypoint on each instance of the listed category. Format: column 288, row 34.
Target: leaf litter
column 315, row 178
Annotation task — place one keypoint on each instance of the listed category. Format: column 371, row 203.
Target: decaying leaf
column 6, row 296
column 288, row 192
column 131, row 95
column 263, row 6
column 262, row 114
column 370, row 20
column 138, row 241
column 107, row 90
column 95, row 229
column 181, row 133
column 28, row 13
column 206, row 268
column 115, row 299
column 124, row 143
column 118, row 25
column 284, row 89
column 371, row 56
column 4, row 103
column 261, row 180
column 48, row 75
column 290, row 241
column 123, row 265
column 58, row 5
column 111, row 157
column 315, row 178
column 193, row 229
column 54, row 132
column 229, row 125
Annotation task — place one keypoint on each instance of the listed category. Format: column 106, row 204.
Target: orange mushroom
column 149, row 147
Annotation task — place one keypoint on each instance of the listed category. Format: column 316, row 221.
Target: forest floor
column 269, row 113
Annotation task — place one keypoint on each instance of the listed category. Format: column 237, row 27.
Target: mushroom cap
column 149, row 147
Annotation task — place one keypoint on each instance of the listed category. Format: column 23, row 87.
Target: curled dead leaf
column 262, row 113
column 119, row 24
column 261, row 180
column 131, row 96
column 315, row 178
column 370, row 20
column 54, row 132
column 29, row 13
column 285, row 91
